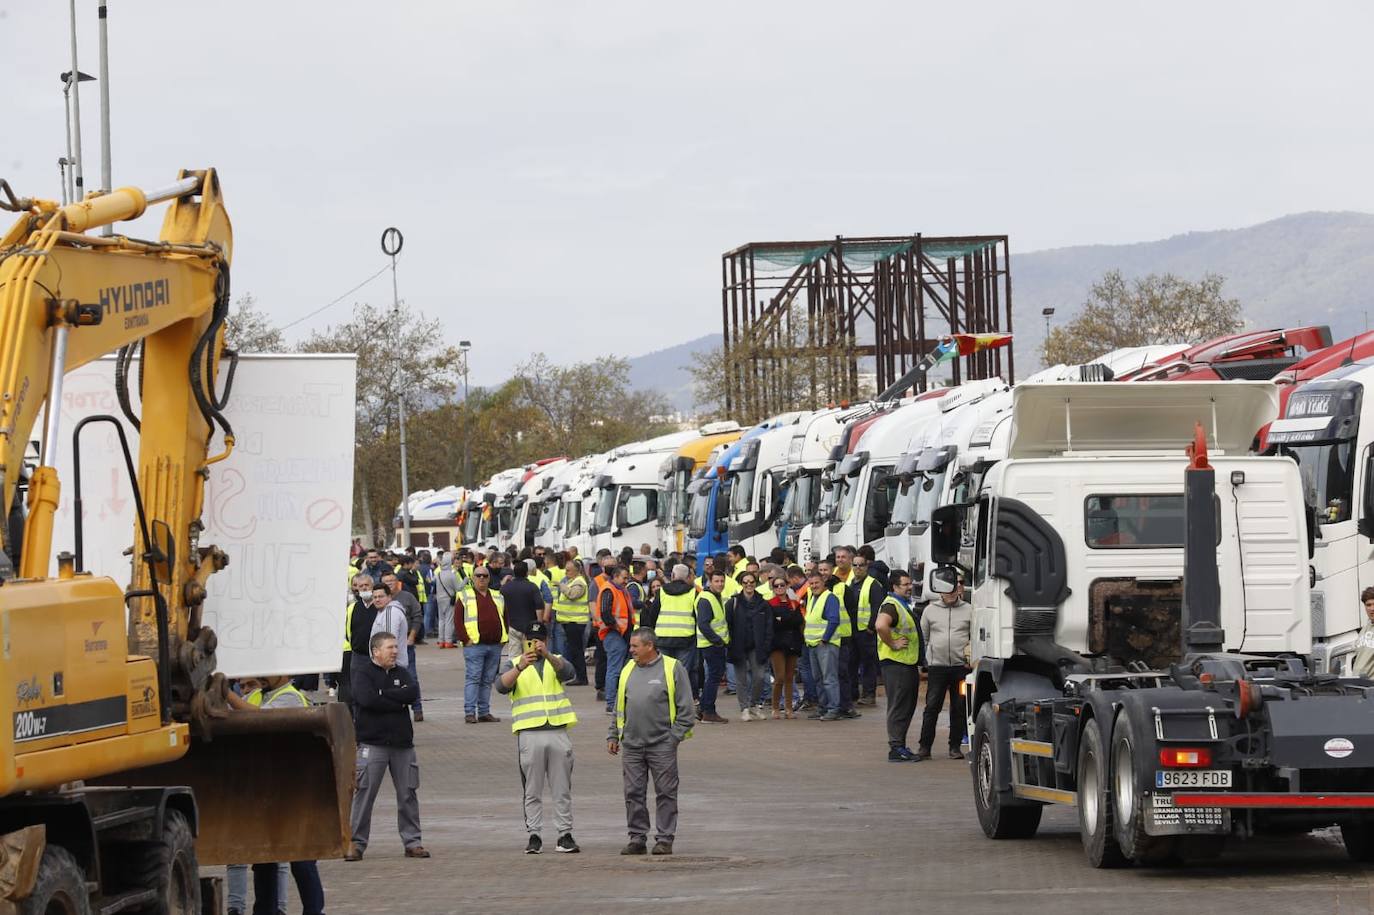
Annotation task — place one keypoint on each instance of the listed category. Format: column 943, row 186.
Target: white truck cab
column 1102, row 464
column 1328, row 429
column 759, row 485
column 628, row 491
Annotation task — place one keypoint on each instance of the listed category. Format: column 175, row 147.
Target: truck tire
column 1094, row 800
column 60, row 888
column 999, row 820
column 1128, row 805
column 1358, row 837
column 169, row 866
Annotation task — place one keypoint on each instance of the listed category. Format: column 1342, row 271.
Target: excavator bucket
column 271, row 785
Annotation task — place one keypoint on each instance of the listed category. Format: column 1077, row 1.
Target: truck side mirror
column 1366, row 523
column 944, row 580
column 946, row 537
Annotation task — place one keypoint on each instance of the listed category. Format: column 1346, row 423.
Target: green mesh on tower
column 860, row 255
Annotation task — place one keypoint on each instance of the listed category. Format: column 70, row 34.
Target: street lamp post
column 74, row 118
column 69, row 165
column 463, row 347
column 1048, row 313
column 391, row 246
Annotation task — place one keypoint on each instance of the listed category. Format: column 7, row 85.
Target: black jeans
column 599, row 658
column 576, row 634
column 939, row 681
column 902, row 682
column 308, row 886
column 863, row 663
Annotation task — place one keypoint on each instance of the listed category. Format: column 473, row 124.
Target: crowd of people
column 786, row 639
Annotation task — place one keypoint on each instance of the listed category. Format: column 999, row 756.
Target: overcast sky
column 567, row 174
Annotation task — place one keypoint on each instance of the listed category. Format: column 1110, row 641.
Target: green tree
column 1159, row 308
column 790, row 363
column 248, row 329
column 401, row 358
column 588, row 407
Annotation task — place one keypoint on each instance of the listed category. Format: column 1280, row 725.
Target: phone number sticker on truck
column 1193, row 778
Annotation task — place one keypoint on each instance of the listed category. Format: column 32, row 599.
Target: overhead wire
column 337, row 300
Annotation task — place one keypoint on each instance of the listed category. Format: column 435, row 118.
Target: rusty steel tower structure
column 880, row 302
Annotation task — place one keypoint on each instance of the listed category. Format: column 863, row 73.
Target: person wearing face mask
column 750, row 619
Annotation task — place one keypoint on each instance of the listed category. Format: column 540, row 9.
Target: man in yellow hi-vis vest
column 541, row 714
column 653, row 714
column 899, row 656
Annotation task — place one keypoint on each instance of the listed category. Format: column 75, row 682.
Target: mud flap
column 270, row 785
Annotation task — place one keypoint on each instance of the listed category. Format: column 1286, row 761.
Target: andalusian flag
column 968, row 344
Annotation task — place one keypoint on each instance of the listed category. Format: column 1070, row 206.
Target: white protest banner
column 280, row 506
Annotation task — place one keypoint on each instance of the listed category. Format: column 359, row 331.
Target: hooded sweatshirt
column 447, row 584
column 1362, row 664
column 650, row 618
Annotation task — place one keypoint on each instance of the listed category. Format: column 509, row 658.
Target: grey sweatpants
column 374, row 762
column 447, row 633
column 546, row 758
column 637, row 763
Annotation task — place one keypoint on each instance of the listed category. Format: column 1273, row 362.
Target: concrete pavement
column 775, row 816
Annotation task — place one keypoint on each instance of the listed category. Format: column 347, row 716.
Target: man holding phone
column 541, row 714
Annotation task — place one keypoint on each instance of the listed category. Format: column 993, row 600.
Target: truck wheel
column 169, row 867
column 1358, row 837
column 999, row 820
column 1094, row 804
column 60, row 888
column 1128, row 806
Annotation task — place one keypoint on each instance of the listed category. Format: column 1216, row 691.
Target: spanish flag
column 968, row 344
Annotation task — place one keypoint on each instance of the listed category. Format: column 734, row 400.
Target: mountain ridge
column 1318, row 265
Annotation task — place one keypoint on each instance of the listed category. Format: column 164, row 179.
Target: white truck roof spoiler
column 1157, row 416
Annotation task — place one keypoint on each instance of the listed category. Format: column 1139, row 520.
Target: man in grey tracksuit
column 653, row 716
column 946, row 624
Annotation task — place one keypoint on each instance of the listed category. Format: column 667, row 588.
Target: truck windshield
column 920, row 499
column 848, row 496
column 665, row 504
column 605, row 508
column 572, row 519
column 700, row 507
column 830, row 500
column 547, row 511
column 1328, row 477
column 682, row 500
column 801, row 500
column 742, row 495
column 472, row 525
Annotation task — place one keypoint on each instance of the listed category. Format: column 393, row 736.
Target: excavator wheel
column 169, row 867
column 60, row 888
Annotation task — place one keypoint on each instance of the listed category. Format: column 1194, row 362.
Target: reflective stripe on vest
column 716, row 623
column 569, row 611
column 816, row 621
column 846, row 625
column 470, row 614
column 669, row 665
column 421, row 592
column 536, row 701
column 348, row 626
column 866, row 608
column 906, row 626
column 620, row 610
column 677, row 618
column 256, row 698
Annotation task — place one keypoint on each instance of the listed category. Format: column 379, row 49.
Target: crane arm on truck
column 86, row 707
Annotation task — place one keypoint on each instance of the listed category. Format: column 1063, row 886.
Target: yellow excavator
column 124, row 768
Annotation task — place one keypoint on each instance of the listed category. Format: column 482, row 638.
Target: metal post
column 62, row 171
column 391, row 245
column 79, row 192
column 105, row 180
column 464, row 347
column 68, row 165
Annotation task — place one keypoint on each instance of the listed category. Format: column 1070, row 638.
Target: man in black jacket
column 384, row 691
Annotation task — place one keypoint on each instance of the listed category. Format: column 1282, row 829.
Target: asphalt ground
column 776, row 816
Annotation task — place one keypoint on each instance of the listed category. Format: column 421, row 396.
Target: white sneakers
column 746, row 715
column 753, row 714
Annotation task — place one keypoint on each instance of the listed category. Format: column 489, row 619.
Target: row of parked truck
column 1174, row 659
